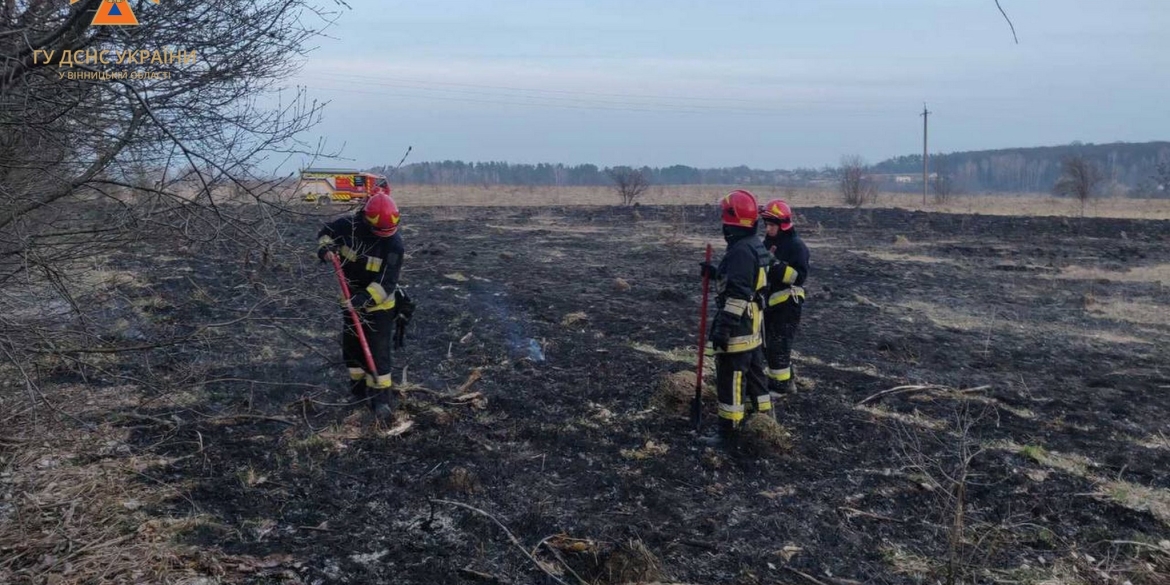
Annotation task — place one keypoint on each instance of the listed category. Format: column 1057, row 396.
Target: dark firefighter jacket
column 742, row 278
column 370, row 263
column 790, row 269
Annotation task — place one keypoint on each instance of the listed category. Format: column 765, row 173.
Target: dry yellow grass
column 916, row 419
column 1029, row 204
column 78, row 511
column 1140, row 313
column 1155, row 273
column 1138, row 497
column 914, row 258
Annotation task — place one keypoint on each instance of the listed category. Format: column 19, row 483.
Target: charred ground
column 1037, row 344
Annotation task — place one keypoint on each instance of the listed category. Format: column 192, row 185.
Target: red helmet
column 739, row 209
column 778, row 211
column 382, row 214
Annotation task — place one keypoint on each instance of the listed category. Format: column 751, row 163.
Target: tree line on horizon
column 1137, row 169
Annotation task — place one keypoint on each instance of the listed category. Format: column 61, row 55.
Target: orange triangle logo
column 114, row 13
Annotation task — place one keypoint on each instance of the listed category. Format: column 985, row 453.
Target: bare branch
column 1009, row 21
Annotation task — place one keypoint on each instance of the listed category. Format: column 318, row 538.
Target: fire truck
column 329, row 185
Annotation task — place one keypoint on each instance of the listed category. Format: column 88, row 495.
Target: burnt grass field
column 981, row 399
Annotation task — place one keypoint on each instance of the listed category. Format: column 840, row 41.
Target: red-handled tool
column 697, row 403
column 357, row 322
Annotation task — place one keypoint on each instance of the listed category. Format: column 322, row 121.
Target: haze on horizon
column 764, row 84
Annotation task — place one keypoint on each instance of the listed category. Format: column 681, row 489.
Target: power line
column 549, row 99
column 539, row 90
column 575, row 104
column 502, row 102
column 336, row 77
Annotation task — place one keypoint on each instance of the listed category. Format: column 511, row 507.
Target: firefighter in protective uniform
column 785, row 293
column 371, row 252
column 736, row 336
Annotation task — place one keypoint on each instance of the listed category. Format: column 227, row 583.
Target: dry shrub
column 762, row 435
column 650, row 449
column 462, row 480
column 628, row 562
column 805, row 384
column 438, row 416
column 673, row 393
column 713, row 459
column 574, row 318
column 609, row 563
column 633, row 563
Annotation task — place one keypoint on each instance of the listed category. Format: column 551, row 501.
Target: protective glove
column 360, row 299
column 405, row 312
column 709, row 270
column 324, row 251
column 720, row 332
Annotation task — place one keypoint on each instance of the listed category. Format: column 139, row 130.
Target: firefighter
column 785, row 293
column 371, row 252
column 736, row 336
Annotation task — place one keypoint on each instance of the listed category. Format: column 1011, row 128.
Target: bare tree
column 1161, row 179
column 943, row 184
column 102, row 154
column 1080, row 178
column 629, row 183
column 857, row 187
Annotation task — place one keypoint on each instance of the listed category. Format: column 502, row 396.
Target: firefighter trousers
column 378, row 327
column 741, row 384
column 780, row 325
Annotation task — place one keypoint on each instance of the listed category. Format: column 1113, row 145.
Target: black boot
column 776, row 387
column 383, row 403
column 359, row 391
column 726, row 436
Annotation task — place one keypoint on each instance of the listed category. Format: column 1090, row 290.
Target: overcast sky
column 775, row 84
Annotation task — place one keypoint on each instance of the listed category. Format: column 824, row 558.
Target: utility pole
column 925, row 175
